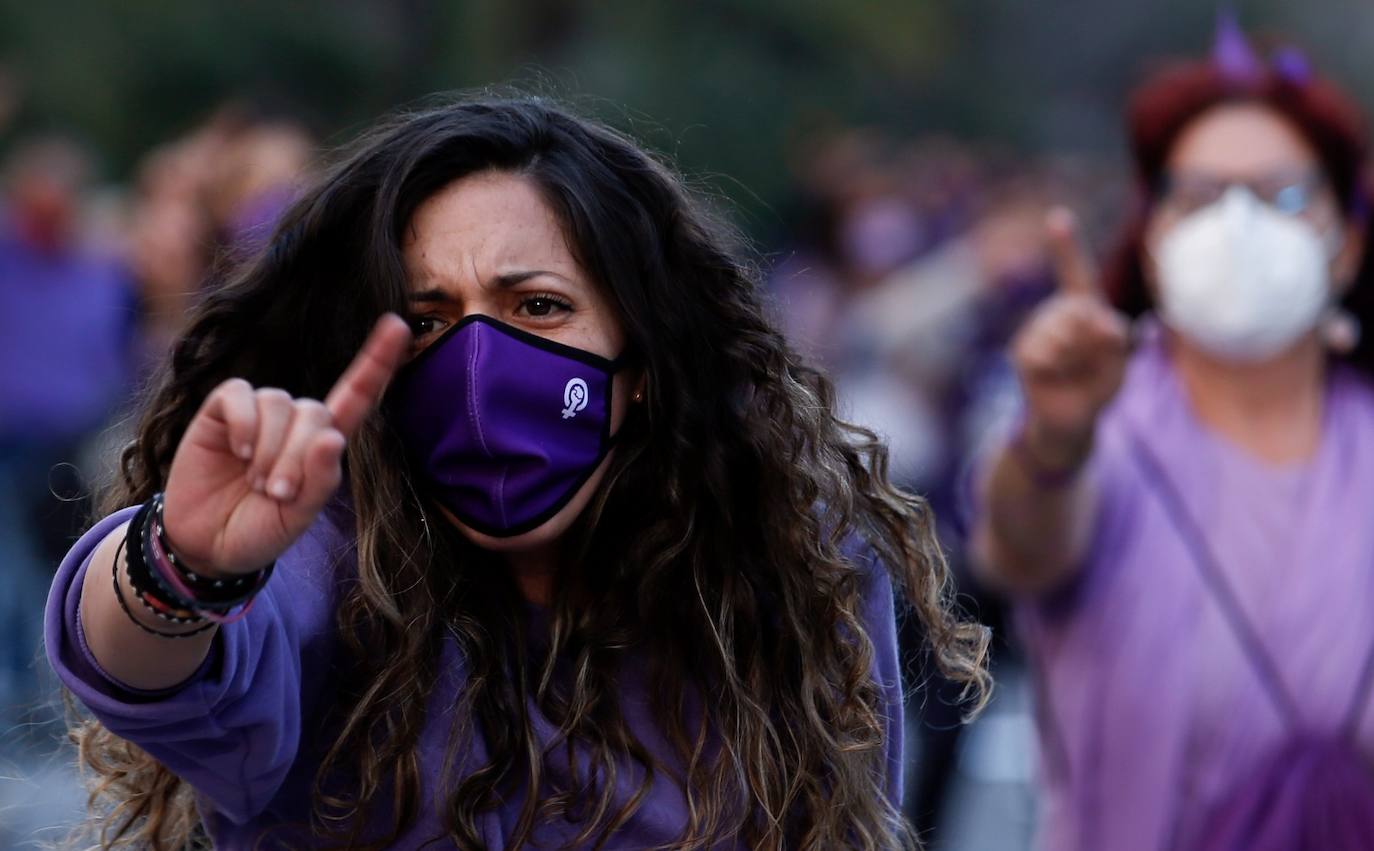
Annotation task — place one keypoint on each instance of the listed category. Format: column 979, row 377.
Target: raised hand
column 1071, row 354
column 255, row 466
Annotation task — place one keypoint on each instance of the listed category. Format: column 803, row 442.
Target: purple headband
column 1238, row 60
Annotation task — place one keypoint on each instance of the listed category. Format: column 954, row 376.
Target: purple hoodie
column 246, row 729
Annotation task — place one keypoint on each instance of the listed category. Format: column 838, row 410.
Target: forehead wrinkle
column 477, row 232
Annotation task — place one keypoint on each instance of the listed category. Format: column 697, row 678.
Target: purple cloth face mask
column 505, row 425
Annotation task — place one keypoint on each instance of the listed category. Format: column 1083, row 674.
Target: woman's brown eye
column 422, row 326
column 541, row 306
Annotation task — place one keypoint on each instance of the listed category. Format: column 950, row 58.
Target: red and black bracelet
column 218, row 594
column 123, row 604
column 171, row 590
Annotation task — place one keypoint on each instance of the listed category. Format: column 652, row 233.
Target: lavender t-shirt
column 1150, row 711
column 246, row 729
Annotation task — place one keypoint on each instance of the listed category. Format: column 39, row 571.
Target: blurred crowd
column 95, row 284
column 910, row 265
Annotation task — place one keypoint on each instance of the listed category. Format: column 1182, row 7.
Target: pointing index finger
column 1073, row 265
column 360, row 387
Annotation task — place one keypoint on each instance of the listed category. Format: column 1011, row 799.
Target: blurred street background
column 891, row 160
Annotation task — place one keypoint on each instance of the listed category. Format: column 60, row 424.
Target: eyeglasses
column 1293, row 193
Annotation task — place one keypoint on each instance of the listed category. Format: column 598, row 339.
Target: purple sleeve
column 880, row 621
column 1107, row 468
column 232, row 729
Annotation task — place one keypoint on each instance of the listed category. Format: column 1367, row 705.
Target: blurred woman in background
column 1180, row 511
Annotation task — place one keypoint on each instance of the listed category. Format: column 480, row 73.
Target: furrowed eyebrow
column 430, row 296
column 436, row 295
column 511, row 279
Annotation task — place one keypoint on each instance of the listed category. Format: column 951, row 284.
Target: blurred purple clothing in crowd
column 918, row 356
column 67, row 332
column 1152, row 713
column 248, row 730
column 251, row 226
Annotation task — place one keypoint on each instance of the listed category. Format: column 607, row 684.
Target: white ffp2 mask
column 1241, row 279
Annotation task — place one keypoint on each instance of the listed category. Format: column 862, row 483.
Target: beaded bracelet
column 166, row 585
column 119, row 595
column 169, row 581
column 218, row 593
column 167, row 613
column 145, row 583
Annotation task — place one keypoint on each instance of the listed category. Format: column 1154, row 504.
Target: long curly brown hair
column 719, row 546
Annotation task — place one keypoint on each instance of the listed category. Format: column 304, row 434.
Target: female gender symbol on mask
column 574, row 397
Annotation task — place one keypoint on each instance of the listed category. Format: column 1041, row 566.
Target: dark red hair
column 1323, row 115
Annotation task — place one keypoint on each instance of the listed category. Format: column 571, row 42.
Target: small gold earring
column 639, row 396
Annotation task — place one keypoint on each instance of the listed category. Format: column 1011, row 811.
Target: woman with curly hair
column 578, row 555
